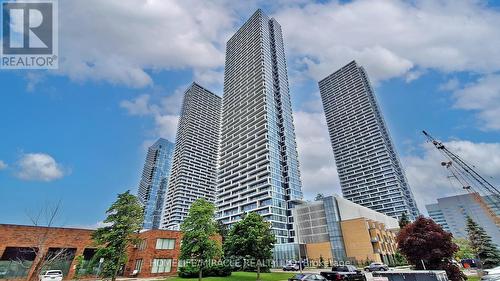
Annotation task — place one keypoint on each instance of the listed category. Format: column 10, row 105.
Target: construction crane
column 470, row 179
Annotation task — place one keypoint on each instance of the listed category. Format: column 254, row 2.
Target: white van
column 51, row 275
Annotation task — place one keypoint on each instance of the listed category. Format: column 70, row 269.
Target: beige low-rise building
column 335, row 229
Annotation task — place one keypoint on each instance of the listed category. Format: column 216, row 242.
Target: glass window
column 165, row 244
column 142, row 244
column 161, row 265
column 138, row 265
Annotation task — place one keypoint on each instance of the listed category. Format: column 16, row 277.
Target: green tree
column 319, row 197
column 124, row 220
column 465, row 250
column 199, row 229
column 78, row 266
column 482, row 245
column 251, row 239
column 404, row 221
column 223, row 230
column 399, row 259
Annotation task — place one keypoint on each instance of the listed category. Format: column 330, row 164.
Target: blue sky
column 79, row 134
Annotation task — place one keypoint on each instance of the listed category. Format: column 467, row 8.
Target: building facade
column 451, row 213
column 258, row 167
column 369, row 169
column 339, row 230
column 155, row 256
column 194, row 165
column 154, row 181
column 18, row 244
column 437, row 215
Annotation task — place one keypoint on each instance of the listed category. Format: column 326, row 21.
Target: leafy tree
column 124, row 220
column 425, row 242
column 78, row 266
column 399, row 259
column 199, row 229
column 222, row 230
column 465, row 250
column 319, row 197
column 404, row 221
column 482, row 245
column 251, row 239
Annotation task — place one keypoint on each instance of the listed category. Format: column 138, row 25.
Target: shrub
column 213, row 271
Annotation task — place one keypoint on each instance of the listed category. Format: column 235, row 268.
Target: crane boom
column 471, row 180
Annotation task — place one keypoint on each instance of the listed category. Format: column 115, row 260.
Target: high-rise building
column 153, row 185
column 258, row 166
column 194, row 166
column 451, row 213
column 369, row 169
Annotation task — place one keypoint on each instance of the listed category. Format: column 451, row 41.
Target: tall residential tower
column 369, row 169
column 195, row 157
column 153, row 185
column 452, row 212
column 258, row 167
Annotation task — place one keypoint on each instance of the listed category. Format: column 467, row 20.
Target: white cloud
column 91, row 226
column 166, row 126
column 317, row 165
column 122, row 42
column 118, row 41
column 450, row 85
column 38, row 167
column 392, row 38
column 3, row 165
column 483, row 97
column 413, row 75
column 164, row 111
column 33, row 79
column 138, row 106
column 429, row 180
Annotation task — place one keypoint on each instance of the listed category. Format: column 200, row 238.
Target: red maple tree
column 424, row 242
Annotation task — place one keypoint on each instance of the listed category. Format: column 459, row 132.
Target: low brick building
column 155, row 255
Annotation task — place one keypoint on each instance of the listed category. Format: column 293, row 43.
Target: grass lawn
column 472, row 278
column 242, row 276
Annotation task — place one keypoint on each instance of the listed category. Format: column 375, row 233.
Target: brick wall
column 56, row 237
column 150, row 252
column 29, row 236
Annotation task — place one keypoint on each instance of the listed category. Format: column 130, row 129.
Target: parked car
column 492, row 271
column 345, row 273
column 291, row 266
column 307, row 277
column 51, row 275
column 469, row 263
column 3, row 271
column 377, row 266
column 491, row 277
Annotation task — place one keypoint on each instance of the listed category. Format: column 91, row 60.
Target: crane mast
column 470, row 179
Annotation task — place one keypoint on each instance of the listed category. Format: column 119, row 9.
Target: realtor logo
column 29, row 35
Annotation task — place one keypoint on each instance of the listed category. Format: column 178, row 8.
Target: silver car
column 307, row 277
column 491, row 277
